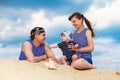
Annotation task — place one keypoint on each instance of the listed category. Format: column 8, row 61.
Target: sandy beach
column 23, row 70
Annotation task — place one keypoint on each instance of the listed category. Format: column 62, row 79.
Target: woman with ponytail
column 82, row 59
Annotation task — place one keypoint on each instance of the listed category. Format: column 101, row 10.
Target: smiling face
column 41, row 37
column 77, row 23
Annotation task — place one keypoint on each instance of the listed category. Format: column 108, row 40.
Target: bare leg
column 63, row 60
column 74, row 58
column 57, row 60
column 82, row 64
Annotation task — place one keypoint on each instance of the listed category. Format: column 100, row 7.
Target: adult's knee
column 78, row 63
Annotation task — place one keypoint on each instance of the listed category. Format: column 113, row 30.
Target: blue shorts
column 85, row 57
column 88, row 60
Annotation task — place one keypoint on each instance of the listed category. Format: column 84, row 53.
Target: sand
column 24, row 70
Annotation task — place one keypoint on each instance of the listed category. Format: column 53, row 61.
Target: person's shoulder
column 26, row 43
column 45, row 44
column 88, row 32
column 59, row 43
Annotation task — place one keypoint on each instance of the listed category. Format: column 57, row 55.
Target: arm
column 54, row 46
column 90, row 46
column 49, row 52
column 27, row 48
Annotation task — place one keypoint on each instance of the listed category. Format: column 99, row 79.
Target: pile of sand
column 23, row 70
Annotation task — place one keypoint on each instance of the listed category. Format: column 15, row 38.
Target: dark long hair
column 87, row 22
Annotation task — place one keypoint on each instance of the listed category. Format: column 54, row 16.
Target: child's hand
column 74, row 57
column 70, row 45
column 76, row 45
column 73, row 46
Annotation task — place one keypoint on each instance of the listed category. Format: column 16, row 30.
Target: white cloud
column 106, row 40
column 1, row 45
column 105, row 16
column 9, row 52
column 18, row 20
column 106, row 53
column 13, row 24
column 40, row 19
column 22, row 25
column 10, row 32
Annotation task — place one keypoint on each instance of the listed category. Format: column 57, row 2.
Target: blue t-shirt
column 65, row 50
column 81, row 39
column 37, row 51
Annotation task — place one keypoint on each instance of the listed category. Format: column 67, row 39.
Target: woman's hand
column 74, row 47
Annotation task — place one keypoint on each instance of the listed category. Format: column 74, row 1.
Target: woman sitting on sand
column 35, row 49
column 82, row 36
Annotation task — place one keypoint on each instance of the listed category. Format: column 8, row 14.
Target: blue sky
column 18, row 17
